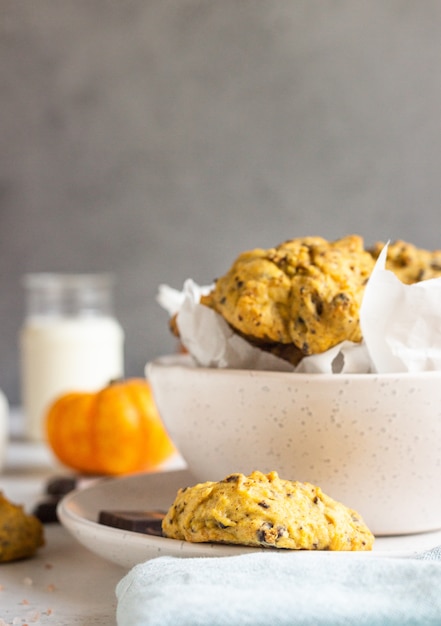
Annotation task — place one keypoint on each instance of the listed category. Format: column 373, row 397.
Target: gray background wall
column 159, row 138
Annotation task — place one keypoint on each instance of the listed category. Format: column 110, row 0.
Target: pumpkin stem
column 115, row 381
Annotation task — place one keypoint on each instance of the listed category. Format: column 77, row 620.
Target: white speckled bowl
column 370, row 441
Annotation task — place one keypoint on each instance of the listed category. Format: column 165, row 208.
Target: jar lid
column 51, row 293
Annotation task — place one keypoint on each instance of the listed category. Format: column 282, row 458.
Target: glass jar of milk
column 70, row 341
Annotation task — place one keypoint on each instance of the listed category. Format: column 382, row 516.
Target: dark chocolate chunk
column 282, row 531
column 232, row 478
column 264, row 534
column 46, row 510
column 264, row 504
column 146, row 522
column 61, row 485
column 222, row 526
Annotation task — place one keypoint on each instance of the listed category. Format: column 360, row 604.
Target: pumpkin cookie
column 304, row 293
column 20, row 534
column 409, row 263
column 267, row 511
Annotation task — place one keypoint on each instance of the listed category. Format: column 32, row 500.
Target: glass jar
column 70, row 341
column 4, row 427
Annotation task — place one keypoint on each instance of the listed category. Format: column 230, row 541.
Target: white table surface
column 64, row 584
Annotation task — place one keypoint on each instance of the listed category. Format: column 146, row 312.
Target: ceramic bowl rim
column 186, row 362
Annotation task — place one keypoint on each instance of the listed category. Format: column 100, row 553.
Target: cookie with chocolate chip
column 20, row 534
column 305, row 293
column 409, row 263
column 264, row 510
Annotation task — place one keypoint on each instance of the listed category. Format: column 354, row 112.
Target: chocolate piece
column 146, row 522
column 61, row 485
column 46, row 510
column 55, row 489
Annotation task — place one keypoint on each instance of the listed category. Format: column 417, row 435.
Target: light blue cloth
column 269, row 589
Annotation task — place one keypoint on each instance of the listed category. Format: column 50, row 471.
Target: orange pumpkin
column 116, row 430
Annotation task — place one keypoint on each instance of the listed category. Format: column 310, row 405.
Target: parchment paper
column 401, row 328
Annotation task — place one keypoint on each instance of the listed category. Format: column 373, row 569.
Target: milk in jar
column 70, row 341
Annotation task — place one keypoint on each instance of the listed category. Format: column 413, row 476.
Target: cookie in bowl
column 263, row 510
column 409, row 263
column 305, row 292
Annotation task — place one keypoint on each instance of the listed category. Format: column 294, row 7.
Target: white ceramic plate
column 79, row 511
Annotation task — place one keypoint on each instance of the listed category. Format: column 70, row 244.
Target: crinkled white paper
column 401, row 328
column 401, row 324
column 208, row 337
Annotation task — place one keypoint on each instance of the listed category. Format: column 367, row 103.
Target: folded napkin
column 278, row 589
